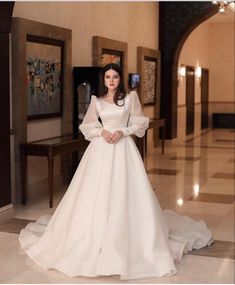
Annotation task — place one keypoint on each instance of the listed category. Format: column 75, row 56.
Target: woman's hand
column 117, row 135
column 106, row 135
column 112, row 138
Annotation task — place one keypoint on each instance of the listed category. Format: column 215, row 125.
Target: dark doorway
column 5, row 157
column 204, row 97
column 190, row 94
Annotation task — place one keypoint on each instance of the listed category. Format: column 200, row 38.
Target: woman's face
column 111, row 79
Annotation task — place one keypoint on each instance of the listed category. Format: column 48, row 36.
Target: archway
column 176, row 21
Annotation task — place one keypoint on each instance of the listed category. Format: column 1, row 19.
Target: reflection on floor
column 195, row 178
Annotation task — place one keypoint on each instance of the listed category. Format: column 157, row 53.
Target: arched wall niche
column 176, row 22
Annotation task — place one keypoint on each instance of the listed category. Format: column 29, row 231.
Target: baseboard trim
column 5, row 208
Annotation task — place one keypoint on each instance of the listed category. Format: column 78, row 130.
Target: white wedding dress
column 109, row 220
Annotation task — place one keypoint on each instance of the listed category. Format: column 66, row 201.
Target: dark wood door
column 204, row 97
column 190, row 94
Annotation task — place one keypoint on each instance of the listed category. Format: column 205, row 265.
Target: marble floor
column 194, row 178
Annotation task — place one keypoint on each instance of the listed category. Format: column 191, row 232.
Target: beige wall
column 222, row 62
column 221, row 96
column 133, row 22
column 210, row 45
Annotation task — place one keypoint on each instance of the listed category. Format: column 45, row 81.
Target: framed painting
column 111, row 56
column 149, row 81
column 106, row 51
column 149, row 67
column 44, row 83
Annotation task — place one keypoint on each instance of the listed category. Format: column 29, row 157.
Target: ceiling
column 228, row 16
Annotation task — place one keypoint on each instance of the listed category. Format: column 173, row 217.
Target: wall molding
column 6, row 208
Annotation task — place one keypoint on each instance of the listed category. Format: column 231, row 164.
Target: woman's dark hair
column 121, row 90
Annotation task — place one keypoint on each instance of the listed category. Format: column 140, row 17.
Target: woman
column 109, row 221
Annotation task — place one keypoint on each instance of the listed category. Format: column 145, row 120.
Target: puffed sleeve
column 90, row 126
column 138, row 123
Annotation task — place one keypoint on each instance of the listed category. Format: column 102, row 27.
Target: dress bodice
column 113, row 116
column 128, row 118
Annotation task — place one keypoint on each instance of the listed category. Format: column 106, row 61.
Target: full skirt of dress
column 110, row 222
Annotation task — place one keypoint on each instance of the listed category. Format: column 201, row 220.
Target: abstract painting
column 44, row 79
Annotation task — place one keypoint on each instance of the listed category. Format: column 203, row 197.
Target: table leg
column 50, row 179
column 142, row 146
column 24, row 190
column 145, row 142
column 163, row 139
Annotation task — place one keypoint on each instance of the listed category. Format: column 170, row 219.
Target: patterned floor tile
column 223, row 175
column 13, row 225
column 213, row 198
column 187, row 158
column 221, row 140
column 219, row 249
column 161, row 171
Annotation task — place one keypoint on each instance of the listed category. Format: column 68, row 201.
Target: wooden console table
column 49, row 148
column 142, row 142
column 155, row 124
